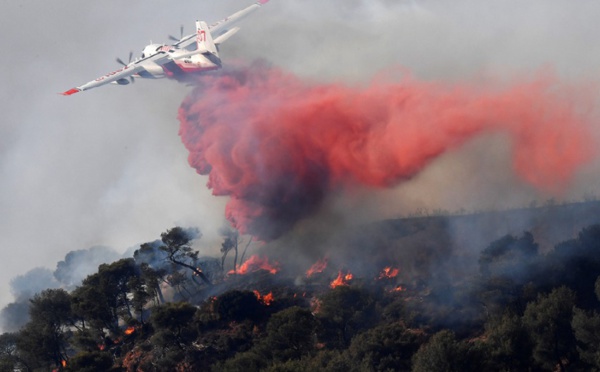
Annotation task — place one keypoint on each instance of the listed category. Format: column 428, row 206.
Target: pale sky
column 107, row 167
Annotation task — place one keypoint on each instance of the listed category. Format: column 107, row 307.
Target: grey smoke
column 77, row 265
column 23, row 287
column 68, row 274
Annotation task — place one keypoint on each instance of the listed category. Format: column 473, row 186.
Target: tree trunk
column 245, row 249
column 160, row 294
column 194, row 269
column 236, row 256
column 556, row 352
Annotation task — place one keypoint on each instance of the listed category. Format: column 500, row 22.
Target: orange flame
column 101, row 347
column 266, row 299
column 342, row 279
column 398, row 289
column 389, row 273
column 64, row 363
column 256, row 263
column 317, row 267
column 129, row 330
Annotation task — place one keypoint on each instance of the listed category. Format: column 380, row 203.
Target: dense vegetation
column 521, row 310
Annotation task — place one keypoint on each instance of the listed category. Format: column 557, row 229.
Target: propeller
column 120, row 61
column 171, row 37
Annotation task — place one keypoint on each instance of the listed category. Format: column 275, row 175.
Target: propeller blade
column 120, row 61
column 171, row 37
column 132, row 79
column 130, row 56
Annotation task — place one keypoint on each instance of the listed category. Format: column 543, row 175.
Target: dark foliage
column 238, row 306
column 345, row 311
column 444, row 353
column 388, row 347
column 92, row 361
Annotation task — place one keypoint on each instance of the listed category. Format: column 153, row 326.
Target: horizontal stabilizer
column 222, row 38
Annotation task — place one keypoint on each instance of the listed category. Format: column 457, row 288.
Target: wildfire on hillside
column 389, row 273
column 256, row 263
column 129, row 330
column 317, row 267
column 398, row 289
column 266, row 299
column 342, row 279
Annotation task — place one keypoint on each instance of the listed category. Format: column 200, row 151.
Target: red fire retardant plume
column 276, row 145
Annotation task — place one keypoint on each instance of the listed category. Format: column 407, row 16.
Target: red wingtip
column 261, row 2
column 71, row 91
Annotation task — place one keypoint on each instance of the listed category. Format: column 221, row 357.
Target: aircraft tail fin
column 204, row 40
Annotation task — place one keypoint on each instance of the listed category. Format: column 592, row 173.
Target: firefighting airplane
column 190, row 54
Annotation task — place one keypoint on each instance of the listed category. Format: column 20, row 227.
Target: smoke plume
column 277, row 145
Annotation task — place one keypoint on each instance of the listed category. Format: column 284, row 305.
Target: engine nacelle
column 122, row 81
column 152, row 71
column 151, row 49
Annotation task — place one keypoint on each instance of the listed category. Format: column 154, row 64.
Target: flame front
column 389, row 273
column 342, row 279
column 256, row 263
column 129, row 330
column 317, row 267
column 266, row 299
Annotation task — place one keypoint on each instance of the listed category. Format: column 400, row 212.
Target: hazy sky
column 106, row 166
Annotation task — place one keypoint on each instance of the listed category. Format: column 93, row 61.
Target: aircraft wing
column 122, row 74
column 223, row 27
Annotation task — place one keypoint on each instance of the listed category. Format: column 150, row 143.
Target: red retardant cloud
column 277, row 145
